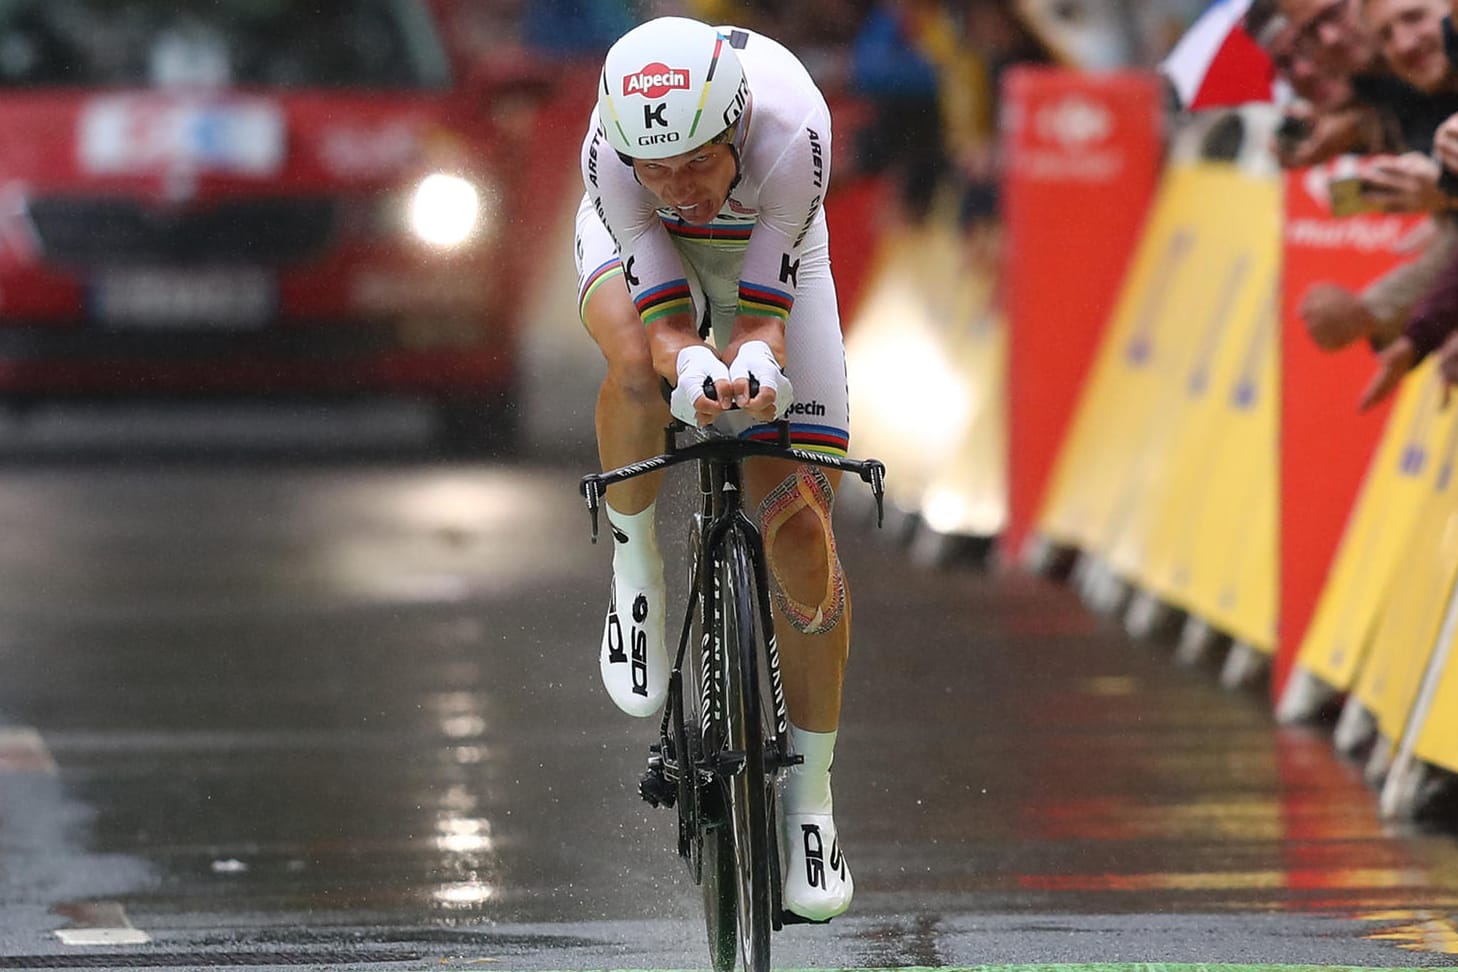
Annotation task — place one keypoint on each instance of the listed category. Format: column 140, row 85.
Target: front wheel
column 750, row 795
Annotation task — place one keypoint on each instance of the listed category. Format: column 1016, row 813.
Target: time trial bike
column 724, row 737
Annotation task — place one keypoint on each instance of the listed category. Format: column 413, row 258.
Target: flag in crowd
column 1216, row 64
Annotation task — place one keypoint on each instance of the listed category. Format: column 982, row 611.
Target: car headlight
column 445, row 210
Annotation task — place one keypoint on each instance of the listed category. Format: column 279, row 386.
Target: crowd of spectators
column 1375, row 80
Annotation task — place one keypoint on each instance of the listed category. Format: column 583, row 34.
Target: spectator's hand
column 1448, row 365
column 1335, row 316
column 1332, row 133
column 1393, row 364
column 1403, row 183
column 774, row 397
column 1445, row 144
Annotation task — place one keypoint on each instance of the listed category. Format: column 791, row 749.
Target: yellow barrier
column 926, row 356
column 1422, row 584
column 1170, row 469
column 968, row 497
column 1402, row 474
column 1436, row 736
column 1228, row 575
column 1112, row 422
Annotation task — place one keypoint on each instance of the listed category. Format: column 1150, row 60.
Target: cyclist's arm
column 791, row 196
column 652, row 267
column 667, row 336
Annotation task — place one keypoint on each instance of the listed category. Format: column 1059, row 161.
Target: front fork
column 667, row 775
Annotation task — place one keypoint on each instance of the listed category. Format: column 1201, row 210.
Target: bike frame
column 720, row 485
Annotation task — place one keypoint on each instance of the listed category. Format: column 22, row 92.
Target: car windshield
column 248, row 43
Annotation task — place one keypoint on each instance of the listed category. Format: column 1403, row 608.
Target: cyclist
column 702, row 253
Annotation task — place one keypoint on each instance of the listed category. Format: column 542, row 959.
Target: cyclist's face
column 695, row 184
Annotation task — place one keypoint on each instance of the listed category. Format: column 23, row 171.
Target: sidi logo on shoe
column 640, row 646
column 837, row 859
column 616, row 654
column 814, row 855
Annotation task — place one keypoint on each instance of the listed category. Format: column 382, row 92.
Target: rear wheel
column 721, row 887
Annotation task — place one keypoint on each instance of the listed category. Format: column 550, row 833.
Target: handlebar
column 594, row 485
column 711, row 391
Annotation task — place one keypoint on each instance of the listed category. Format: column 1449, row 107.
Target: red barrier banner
column 1326, row 444
column 1082, row 155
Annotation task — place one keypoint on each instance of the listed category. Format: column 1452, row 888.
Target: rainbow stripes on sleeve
column 673, row 297
column 758, row 301
column 594, row 280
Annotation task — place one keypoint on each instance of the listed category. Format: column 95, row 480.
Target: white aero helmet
column 669, row 86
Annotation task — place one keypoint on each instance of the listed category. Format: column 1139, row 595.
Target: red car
column 251, row 197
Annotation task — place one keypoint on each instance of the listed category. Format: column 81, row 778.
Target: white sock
column 635, row 546
column 807, row 786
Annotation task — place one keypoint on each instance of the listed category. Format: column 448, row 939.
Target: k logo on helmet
column 656, row 80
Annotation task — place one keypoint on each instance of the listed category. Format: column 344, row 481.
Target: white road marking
column 103, row 936
column 99, row 923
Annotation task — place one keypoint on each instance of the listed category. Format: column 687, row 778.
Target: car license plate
column 197, row 299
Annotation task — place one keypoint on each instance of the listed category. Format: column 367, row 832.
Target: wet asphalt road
column 345, row 712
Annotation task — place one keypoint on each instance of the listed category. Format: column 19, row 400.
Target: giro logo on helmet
column 656, row 80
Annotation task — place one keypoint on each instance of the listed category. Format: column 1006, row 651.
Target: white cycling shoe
column 634, row 660
column 818, row 884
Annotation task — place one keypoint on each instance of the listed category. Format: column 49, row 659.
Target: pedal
column 655, row 787
column 788, row 917
column 780, row 758
column 656, row 790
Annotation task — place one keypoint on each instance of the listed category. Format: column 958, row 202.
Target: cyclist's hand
column 688, row 403
column 775, row 394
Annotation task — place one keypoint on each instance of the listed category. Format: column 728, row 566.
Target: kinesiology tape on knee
column 807, row 489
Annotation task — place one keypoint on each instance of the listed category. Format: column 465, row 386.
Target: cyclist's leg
column 812, row 631
column 631, row 412
column 630, row 417
column 812, row 598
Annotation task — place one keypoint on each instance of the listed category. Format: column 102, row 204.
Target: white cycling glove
column 755, row 358
column 695, row 363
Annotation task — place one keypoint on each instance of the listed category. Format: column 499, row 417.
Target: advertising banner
column 1326, row 443
column 1082, row 155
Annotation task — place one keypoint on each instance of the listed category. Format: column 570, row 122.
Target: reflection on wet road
column 349, row 713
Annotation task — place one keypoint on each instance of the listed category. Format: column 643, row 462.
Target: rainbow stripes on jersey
column 673, row 297
column 730, row 233
column 803, row 435
column 759, row 301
